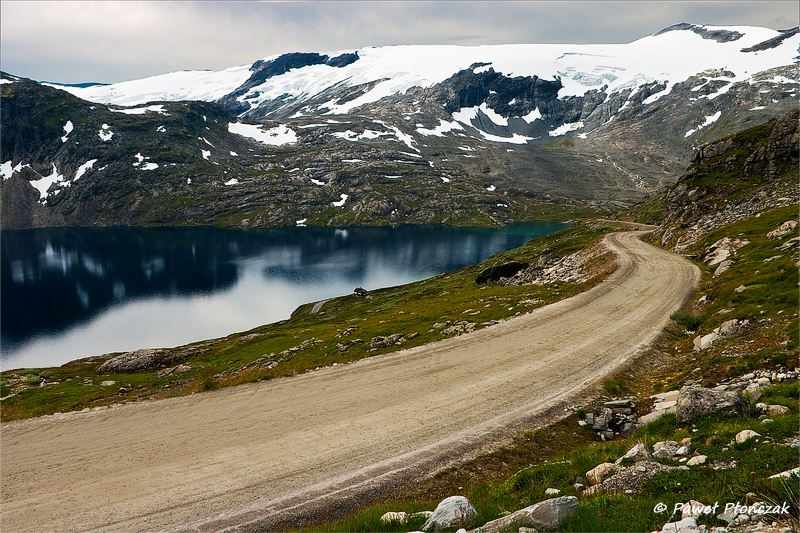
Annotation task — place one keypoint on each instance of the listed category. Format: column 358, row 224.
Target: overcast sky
column 75, row 42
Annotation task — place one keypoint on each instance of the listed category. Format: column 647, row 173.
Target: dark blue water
column 76, row 292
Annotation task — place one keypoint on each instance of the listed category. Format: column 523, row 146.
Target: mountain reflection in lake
column 69, row 293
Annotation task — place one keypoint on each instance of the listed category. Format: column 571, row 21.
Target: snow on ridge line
column 156, row 108
column 277, row 136
column 679, row 53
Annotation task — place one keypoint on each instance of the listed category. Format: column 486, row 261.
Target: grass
column 711, row 436
column 342, row 331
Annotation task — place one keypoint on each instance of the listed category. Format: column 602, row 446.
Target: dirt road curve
column 247, row 457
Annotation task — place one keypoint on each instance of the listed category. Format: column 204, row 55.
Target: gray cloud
column 114, row 41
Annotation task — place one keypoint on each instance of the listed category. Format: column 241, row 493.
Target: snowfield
column 669, row 57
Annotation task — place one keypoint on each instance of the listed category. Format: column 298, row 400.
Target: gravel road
column 258, row 456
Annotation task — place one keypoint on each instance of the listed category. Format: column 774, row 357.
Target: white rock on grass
column 392, row 516
column 787, row 473
column 745, row 435
column 696, row 460
column 452, row 511
column 552, row 492
column 692, row 509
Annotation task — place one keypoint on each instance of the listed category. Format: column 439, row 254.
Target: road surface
column 250, row 457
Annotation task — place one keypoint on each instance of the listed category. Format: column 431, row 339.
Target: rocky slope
column 462, row 135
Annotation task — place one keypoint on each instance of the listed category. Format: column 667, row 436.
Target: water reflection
column 75, row 292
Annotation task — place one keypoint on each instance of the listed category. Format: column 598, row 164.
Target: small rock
column 552, row 492
column 787, row 473
column 596, row 475
column 777, row 410
column 665, row 449
column 681, row 525
column 784, row 228
column 696, row 460
column 391, row 516
column 636, row 454
column 692, row 509
column 745, row 435
column 108, row 383
column 740, row 289
column 683, row 450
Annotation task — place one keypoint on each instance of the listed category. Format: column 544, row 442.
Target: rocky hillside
column 405, row 134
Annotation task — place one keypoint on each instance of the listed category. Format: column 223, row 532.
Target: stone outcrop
column 502, row 270
column 148, row 358
column 694, row 401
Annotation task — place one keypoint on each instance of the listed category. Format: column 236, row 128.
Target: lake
column 69, row 293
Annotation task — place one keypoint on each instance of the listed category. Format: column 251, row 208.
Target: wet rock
column 455, row 511
column 694, row 401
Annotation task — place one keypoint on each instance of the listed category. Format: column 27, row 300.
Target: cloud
column 115, row 41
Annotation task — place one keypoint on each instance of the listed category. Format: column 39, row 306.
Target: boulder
column 637, row 454
column 455, row 511
column 695, row 401
column 745, row 435
column 144, row 359
column 541, row 516
column 596, row 475
column 503, row 270
column 753, row 391
column 722, row 249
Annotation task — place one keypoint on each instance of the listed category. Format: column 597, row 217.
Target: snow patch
column 710, row 119
column 232, row 181
column 445, row 180
column 6, row 169
column 491, row 188
column 105, row 133
column 83, row 168
column 68, row 127
column 234, row 154
column 161, row 129
column 758, row 108
column 206, row 154
column 533, row 115
column 341, row 202
column 156, row 108
column 43, row 184
column 566, row 128
column 439, row 131
column 277, row 136
column 317, row 182
column 351, row 160
column 207, row 142
column 368, row 135
column 301, row 222
column 150, row 166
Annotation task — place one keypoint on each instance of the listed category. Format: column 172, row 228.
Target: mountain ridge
column 405, row 134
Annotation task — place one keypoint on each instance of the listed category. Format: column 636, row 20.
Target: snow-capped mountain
column 371, row 131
